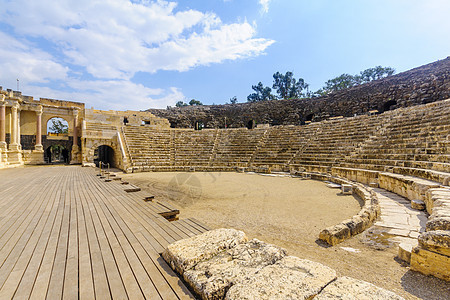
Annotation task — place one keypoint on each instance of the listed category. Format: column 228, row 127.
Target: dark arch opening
column 309, row 117
column 251, row 124
column 389, row 105
column 104, row 154
column 57, row 154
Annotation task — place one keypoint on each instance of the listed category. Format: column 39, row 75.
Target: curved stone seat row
column 432, row 256
column 223, row 264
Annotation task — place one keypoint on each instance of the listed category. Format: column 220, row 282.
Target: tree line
column 287, row 87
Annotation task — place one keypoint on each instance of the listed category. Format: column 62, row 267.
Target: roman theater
column 345, row 196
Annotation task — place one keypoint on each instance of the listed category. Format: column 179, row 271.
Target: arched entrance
column 57, row 154
column 104, row 154
column 57, row 126
column 389, row 105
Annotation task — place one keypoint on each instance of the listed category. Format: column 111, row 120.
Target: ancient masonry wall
column 421, row 85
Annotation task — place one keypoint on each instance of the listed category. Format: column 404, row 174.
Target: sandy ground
column 289, row 212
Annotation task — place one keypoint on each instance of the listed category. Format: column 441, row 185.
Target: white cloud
column 110, row 94
column 264, row 5
column 53, row 46
column 115, row 39
column 19, row 60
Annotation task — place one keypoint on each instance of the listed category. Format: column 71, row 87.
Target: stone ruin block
column 212, row 278
column 289, row 278
column 184, row 254
column 350, row 288
column 430, row 263
column 418, row 204
column 335, row 234
column 437, row 241
column 347, row 189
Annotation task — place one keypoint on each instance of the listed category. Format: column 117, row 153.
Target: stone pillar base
column 39, row 148
column 37, row 157
column 3, row 146
column 75, row 156
column 15, row 157
column 14, row 147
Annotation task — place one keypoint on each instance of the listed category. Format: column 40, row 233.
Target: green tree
column 287, row 86
column 58, row 126
column 180, row 104
column 195, row 102
column 233, row 100
column 375, row 73
column 262, row 93
column 345, row 81
column 341, row 82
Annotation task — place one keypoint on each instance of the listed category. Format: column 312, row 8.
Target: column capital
column 39, row 111
column 2, row 99
column 75, row 112
column 15, row 106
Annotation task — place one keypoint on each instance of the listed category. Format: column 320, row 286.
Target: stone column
column 75, row 148
column 3, row 148
column 14, row 146
column 38, row 146
column 19, row 142
column 3, row 124
column 75, row 130
column 14, row 153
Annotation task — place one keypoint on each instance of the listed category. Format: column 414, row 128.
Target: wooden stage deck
column 66, row 233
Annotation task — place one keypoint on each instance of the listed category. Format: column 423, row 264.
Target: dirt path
column 289, row 212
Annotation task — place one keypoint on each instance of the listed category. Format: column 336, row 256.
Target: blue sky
column 122, row 54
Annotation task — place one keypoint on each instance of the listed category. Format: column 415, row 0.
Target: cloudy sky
column 139, row 54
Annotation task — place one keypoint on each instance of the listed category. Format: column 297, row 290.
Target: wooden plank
column 17, row 242
column 42, row 280
column 116, row 286
column 55, row 287
column 72, row 236
column 140, row 275
column 149, row 259
column 27, row 251
column 86, row 282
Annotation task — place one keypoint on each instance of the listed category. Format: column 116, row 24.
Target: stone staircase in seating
column 235, row 147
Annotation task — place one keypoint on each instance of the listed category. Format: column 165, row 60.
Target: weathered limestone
column 418, row 204
column 256, row 270
column 183, row 255
column 348, row 288
column 437, row 241
column 289, row 278
column 358, row 223
column 212, row 278
column 432, row 256
column 404, row 251
column 406, row 186
column 430, row 263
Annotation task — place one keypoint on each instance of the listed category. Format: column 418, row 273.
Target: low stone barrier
column 432, row 255
column 357, row 175
column 364, row 219
column 406, row 186
column 233, row 269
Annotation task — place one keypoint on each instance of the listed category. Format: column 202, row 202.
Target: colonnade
column 12, row 153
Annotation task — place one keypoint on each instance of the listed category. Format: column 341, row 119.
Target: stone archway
column 92, row 155
column 104, row 154
column 57, row 153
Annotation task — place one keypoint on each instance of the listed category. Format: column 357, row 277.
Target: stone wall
column 421, row 85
